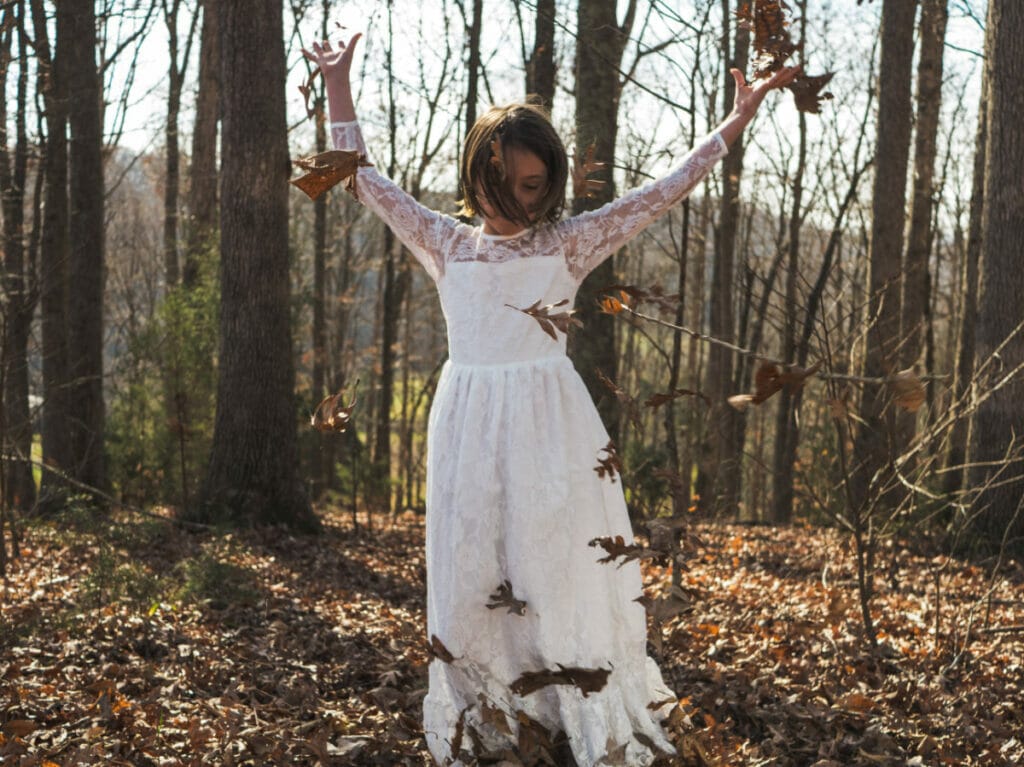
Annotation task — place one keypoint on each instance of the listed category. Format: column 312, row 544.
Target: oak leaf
column 504, row 597
column 807, row 91
column 610, row 465
column 437, row 650
column 660, row 398
column 549, row 321
column 327, row 170
column 331, row 415
column 588, row 680
column 616, row 547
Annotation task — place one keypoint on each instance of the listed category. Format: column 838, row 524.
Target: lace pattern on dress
column 425, row 232
column 593, row 236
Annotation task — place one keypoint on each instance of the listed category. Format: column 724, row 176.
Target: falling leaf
column 616, row 547
column 770, row 379
column 807, row 91
column 550, row 322
column 328, row 169
column 772, row 42
column 306, row 89
column 630, row 296
column 584, row 187
column 493, row 716
column 907, row 389
column 588, row 680
column 333, row 416
column 659, row 399
column 610, row 465
column 439, row 651
column 503, row 597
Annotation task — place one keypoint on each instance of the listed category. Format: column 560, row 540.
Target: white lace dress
column 512, row 491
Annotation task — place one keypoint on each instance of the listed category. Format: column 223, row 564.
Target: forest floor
column 135, row 642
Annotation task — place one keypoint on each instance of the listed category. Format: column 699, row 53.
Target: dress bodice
column 481, row 300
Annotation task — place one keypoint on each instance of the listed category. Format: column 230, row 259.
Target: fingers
column 737, row 75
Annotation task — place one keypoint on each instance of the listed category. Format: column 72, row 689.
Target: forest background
column 828, row 333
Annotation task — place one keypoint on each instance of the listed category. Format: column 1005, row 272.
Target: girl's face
column 528, row 176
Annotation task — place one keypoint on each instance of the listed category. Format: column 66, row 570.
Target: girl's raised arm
column 593, row 236
column 420, row 229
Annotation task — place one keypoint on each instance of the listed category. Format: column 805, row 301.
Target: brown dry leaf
column 769, row 379
column 612, row 305
column 550, row 322
column 582, row 186
column 19, row 728
column 439, row 651
column 907, row 389
column 772, row 42
column 610, row 465
column 632, row 296
column 616, row 546
column 588, row 680
column 807, row 91
column 331, row 415
column 504, row 597
column 306, row 89
column 660, row 398
column 493, row 716
column 328, row 169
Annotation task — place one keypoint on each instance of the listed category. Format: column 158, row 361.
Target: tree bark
column 253, row 472
column 203, row 216
column 721, row 483
column 916, row 277
column 18, row 281
column 999, row 422
column 600, row 42
column 873, row 447
column 965, row 361
column 76, row 23
column 540, row 69
column 54, row 287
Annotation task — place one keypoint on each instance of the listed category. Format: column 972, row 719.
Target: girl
column 513, row 440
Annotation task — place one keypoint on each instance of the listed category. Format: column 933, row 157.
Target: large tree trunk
column 600, row 42
column 874, row 443
column 76, row 23
column 17, row 282
column 540, row 69
column 721, row 480
column 253, row 473
column 916, row 277
column 53, row 265
column 999, row 422
column 202, row 203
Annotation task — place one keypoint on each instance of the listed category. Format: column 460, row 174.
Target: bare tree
column 253, row 471
column 1000, row 420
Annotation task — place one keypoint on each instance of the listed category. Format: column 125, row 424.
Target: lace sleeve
column 422, row 230
column 593, row 236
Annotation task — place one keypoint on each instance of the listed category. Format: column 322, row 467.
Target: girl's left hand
column 750, row 95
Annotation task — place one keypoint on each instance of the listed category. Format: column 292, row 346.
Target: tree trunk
column 873, row 447
column 322, row 462
column 54, row 286
column 999, row 422
column 720, row 487
column 17, row 284
column 600, row 42
column 540, row 69
column 473, row 65
column 202, row 223
column 76, row 22
column 253, row 472
column 959, row 438
column 916, row 276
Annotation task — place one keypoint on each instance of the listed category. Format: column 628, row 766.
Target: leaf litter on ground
column 137, row 643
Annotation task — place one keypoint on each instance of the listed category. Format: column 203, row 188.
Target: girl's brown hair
column 525, row 126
